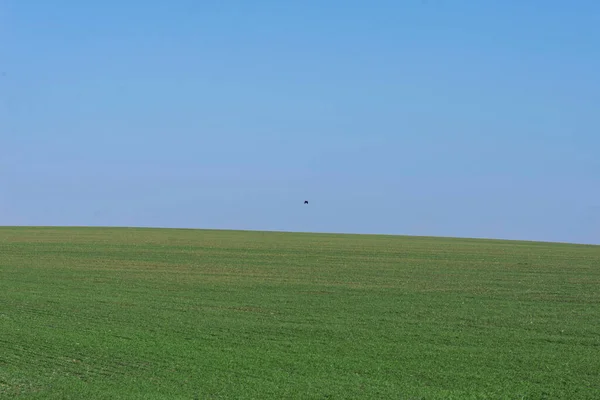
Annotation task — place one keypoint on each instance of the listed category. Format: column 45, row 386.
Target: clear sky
column 420, row 117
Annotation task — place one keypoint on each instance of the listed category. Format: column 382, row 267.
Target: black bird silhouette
column 305, row 201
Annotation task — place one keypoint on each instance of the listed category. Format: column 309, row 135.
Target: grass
column 115, row 313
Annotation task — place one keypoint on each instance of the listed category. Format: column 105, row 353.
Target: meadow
column 124, row 313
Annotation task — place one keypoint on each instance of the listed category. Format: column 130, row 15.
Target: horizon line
column 304, row 232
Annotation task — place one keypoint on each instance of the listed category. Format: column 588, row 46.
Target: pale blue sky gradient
column 426, row 117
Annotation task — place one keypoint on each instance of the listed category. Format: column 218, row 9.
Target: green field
column 103, row 313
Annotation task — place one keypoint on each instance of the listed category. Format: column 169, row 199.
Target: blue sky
column 426, row 117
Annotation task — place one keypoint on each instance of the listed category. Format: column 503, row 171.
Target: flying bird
column 305, row 201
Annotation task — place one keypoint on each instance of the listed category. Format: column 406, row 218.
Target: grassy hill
column 116, row 313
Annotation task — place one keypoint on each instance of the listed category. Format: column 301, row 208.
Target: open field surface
column 103, row 313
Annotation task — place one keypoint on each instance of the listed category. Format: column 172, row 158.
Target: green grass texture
column 136, row 313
